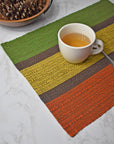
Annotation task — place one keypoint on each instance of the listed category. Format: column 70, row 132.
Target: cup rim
column 73, row 47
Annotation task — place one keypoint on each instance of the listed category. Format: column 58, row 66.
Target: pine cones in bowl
column 21, row 12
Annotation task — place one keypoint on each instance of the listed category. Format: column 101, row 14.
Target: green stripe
column 41, row 39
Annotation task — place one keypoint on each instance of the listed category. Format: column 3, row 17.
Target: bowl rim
column 29, row 18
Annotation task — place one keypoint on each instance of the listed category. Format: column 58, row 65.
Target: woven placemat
column 76, row 94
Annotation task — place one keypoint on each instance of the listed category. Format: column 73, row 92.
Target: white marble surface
column 24, row 119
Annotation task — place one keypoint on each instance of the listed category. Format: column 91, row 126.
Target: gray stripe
column 74, row 81
column 39, row 57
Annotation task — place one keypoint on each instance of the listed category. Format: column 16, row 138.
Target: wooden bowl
column 25, row 21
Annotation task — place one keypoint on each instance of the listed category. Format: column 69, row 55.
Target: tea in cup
column 77, row 41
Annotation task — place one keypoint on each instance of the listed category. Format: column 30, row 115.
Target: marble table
column 24, row 119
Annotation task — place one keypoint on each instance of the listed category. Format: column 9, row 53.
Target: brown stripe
column 103, row 24
column 39, row 57
column 74, row 81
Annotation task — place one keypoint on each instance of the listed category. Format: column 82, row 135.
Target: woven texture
column 76, row 94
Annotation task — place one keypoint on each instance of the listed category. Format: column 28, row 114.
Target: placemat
column 76, row 94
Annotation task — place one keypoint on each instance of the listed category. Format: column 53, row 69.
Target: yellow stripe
column 107, row 36
column 54, row 70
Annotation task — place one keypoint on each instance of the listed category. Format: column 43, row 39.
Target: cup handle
column 97, row 47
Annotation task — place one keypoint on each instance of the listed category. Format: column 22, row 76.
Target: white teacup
column 79, row 54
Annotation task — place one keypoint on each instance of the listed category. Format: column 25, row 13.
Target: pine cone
column 20, row 9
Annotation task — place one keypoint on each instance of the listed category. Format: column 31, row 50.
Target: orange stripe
column 86, row 102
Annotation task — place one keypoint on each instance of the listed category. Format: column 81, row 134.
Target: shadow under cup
column 76, row 54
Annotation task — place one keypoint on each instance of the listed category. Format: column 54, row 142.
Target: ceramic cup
column 78, row 54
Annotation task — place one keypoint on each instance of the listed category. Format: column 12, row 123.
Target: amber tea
column 76, row 40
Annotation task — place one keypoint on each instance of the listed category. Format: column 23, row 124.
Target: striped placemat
column 76, row 94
